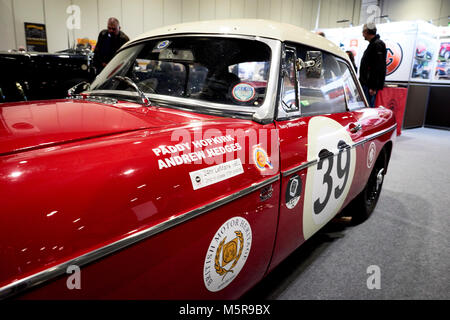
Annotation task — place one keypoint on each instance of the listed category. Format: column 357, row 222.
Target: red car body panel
column 44, row 123
column 110, row 181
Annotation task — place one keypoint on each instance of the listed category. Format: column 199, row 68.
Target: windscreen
column 232, row 71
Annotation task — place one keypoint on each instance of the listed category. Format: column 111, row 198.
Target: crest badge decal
column 227, row 253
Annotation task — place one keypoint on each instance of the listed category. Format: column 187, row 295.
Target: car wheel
column 364, row 204
column 447, row 55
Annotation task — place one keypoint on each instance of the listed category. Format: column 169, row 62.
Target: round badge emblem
column 293, row 191
column 371, row 154
column 261, row 159
column 227, row 253
column 243, row 92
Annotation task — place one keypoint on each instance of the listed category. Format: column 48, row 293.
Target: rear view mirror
column 315, row 70
column 312, row 65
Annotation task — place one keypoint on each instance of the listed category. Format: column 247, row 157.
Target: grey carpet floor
column 407, row 236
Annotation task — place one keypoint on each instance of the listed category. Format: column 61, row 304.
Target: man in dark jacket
column 373, row 64
column 109, row 41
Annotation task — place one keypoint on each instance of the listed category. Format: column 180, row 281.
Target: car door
column 317, row 153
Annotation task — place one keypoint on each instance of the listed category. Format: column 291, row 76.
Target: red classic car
column 200, row 158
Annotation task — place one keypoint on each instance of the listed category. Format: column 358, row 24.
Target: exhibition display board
column 418, row 58
column 417, row 51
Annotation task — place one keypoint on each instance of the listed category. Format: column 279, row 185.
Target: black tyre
column 363, row 205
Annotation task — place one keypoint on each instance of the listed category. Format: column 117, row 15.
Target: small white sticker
column 162, row 44
column 211, row 175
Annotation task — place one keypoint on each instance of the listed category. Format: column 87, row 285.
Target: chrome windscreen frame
column 262, row 114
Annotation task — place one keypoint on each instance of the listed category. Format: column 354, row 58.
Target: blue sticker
column 163, row 44
column 243, row 92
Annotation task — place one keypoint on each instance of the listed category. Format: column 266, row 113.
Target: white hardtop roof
column 250, row 27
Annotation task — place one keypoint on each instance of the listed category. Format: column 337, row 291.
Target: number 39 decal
column 328, row 182
column 342, row 173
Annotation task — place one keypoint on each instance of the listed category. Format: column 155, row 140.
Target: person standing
column 109, row 41
column 373, row 64
column 352, row 59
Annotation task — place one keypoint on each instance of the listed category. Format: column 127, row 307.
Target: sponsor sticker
column 394, row 56
column 162, row 44
column 243, row 92
column 227, row 253
column 293, row 191
column 211, row 175
column 371, row 154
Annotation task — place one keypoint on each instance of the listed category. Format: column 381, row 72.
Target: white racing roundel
column 371, row 154
column 227, row 253
column 328, row 181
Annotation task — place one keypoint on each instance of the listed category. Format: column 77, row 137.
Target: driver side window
column 322, row 94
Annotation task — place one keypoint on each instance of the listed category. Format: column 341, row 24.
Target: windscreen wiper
column 145, row 101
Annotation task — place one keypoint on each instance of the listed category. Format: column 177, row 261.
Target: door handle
column 342, row 145
column 355, row 127
column 324, row 153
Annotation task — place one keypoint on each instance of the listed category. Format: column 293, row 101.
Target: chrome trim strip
column 359, row 143
column 313, row 162
column 48, row 274
column 376, row 135
column 300, row 167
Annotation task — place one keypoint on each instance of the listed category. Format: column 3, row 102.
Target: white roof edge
column 251, row 27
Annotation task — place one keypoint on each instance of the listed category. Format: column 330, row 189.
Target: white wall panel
column 26, row 11
column 413, row 9
column 297, row 10
column 207, row 10
column 107, row 9
column 324, row 13
column 251, row 9
column 132, row 17
column 309, row 14
column 89, row 20
column 237, row 9
column 190, row 10
column 172, row 12
column 356, row 11
column 444, row 13
column 263, row 11
column 275, row 10
column 7, row 35
column 138, row 16
column 153, row 14
column 55, row 22
column 336, row 10
column 222, row 9
column 287, row 7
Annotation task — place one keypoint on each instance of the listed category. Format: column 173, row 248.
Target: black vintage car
column 38, row 76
